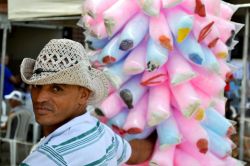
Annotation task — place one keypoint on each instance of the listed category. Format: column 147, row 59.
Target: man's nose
column 42, row 95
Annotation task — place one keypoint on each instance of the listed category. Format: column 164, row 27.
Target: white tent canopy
column 29, row 9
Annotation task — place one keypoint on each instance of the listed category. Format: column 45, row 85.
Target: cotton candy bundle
column 166, row 60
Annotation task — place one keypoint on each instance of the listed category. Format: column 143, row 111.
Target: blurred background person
column 9, row 79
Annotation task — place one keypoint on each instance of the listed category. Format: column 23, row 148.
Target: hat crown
column 60, row 54
column 63, row 61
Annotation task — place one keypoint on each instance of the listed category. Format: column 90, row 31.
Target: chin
column 43, row 121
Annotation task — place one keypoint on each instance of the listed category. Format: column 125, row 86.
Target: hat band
column 40, row 70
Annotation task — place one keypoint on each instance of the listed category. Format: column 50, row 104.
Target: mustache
column 43, row 105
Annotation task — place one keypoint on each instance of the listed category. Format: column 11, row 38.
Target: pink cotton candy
column 210, row 83
column 160, row 32
column 95, row 8
column 180, row 23
column 219, row 105
column 118, row 14
column 182, row 158
column 212, row 7
column 193, row 151
column 230, row 161
column 187, row 100
column 206, row 100
column 150, row 7
column 225, row 26
column 227, row 10
column 107, row 107
column 192, row 132
column 136, row 120
column 207, row 159
column 220, row 50
column 135, row 62
column 163, row 157
column 158, row 104
column 170, row 3
column 95, row 27
column 179, row 69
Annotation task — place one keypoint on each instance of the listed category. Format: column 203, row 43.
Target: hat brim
column 79, row 74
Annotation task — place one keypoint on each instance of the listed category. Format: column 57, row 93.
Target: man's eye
column 57, row 88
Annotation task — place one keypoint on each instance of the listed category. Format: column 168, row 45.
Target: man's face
column 14, row 103
column 56, row 104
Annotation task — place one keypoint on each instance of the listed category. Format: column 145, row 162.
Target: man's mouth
column 42, row 110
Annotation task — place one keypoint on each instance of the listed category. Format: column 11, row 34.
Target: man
column 63, row 84
column 9, row 78
column 15, row 101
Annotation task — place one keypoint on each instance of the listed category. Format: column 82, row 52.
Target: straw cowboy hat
column 63, row 61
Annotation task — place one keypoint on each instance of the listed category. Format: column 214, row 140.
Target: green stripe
column 53, row 159
column 94, row 136
column 52, row 154
column 79, row 136
column 111, row 150
column 108, row 156
column 123, row 153
column 97, row 162
column 80, row 147
column 24, row 164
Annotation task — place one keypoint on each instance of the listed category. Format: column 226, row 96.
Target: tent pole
column 244, row 85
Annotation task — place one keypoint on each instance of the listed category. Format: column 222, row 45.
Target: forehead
column 66, row 86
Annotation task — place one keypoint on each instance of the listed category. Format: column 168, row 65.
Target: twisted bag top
column 63, row 61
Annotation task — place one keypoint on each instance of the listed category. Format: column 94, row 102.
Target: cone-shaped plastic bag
column 168, row 133
column 189, row 101
column 124, row 9
column 160, row 32
column 163, row 157
column 136, row 120
column 135, row 62
column 131, row 92
column 156, row 55
column 193, row 132
column 130, row 38
column 150, row 7
column 179, row 69
column 158, row 105
column 218, row 123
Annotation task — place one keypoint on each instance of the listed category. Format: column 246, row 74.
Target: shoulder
column 95, row 142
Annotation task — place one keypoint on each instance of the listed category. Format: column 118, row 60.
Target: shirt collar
column 85, row 118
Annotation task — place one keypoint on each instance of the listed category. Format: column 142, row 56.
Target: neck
column 49, row 129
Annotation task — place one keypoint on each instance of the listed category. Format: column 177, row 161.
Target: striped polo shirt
column 83, row 141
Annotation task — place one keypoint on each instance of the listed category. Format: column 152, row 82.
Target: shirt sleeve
column 123, row 150
column 45, row 155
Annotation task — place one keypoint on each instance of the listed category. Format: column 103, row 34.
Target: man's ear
column 84, row 95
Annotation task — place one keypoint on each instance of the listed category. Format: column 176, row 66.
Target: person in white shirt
column 63, row 83
column 16, row 103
